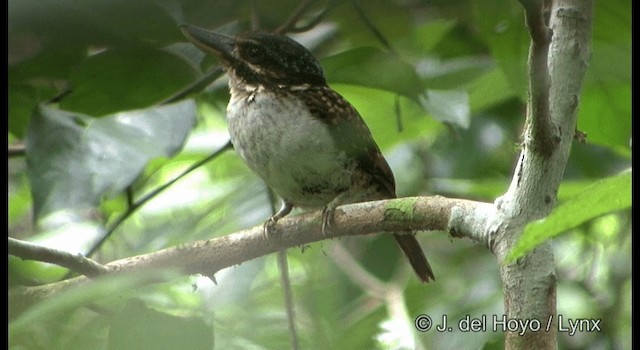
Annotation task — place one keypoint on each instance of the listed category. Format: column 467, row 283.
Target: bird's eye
column 254, row 53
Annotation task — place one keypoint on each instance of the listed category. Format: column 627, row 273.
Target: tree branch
column 285, row 282
column 530, row 283
column 316, row 20
column 367, row 282
column 295, row 16
column 16, row 150
column 373, row 28
column 210, row 256
column 545, row 138
column 197, row 86
column 134, row 206
column 77, row 262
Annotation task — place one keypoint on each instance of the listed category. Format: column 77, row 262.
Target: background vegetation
column 441, row 84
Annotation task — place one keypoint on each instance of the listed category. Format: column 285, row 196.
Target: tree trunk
column 558, row 59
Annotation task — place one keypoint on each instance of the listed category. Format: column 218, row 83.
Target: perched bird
column 302, row 138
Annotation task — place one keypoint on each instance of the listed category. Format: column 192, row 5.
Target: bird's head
column 260, row 59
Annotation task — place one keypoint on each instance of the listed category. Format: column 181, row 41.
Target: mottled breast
column 290, row 149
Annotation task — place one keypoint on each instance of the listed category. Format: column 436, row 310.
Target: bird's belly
column 289, row 148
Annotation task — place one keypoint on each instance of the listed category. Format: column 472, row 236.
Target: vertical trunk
column 530, row 283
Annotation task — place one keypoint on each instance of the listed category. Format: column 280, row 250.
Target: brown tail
column 418, row 261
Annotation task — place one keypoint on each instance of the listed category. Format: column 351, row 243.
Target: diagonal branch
column 134, row 206
column 196, row 86
column 316, row 20
column 290, row 22
column 75, row 262
column 373, row 28
column 462, row 218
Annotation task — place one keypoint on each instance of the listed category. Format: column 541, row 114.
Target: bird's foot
column 327, row 219
column 329, row 211
column 269, row 226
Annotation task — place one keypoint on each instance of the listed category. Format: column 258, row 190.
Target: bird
column 306, row 141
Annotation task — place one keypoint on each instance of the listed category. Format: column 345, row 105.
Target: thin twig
column 314, row 22
column 137, row 204
column 544, row 136
column 283, row 267
column 398, row 112
column 373, row 28
column 353, row 269
column 129, row 194
column 253, row 16
column 285, row 281
column 59, row 97
column 17, row 150
column 295, row 16
column 75, row 262
column 196, row 86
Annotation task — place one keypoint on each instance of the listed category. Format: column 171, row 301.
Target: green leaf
column 428, row 35
column 390, row 118
column 501, row 24
column 72, row 298
column 610, row 102
column 19, row 201
column 453, row 73
column 371, row 67
column 23, row 100
column 37, row 272
column 606, row 94
column 451, row 106
column 604, row 196
column 488, row 90
column 140, row 327
column 68, row 23
column 388, row 18
column 54, row 63
column 611, row 51
column 118, row 80
column 74, row 159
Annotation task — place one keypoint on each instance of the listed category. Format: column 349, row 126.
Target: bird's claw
column 327, row 219
column 268, row 227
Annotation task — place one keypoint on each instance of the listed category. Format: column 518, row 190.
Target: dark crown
column 261, row 58
column 278, row 58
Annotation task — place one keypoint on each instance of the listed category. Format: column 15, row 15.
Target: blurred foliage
column 605, row 196
column 398, row 62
